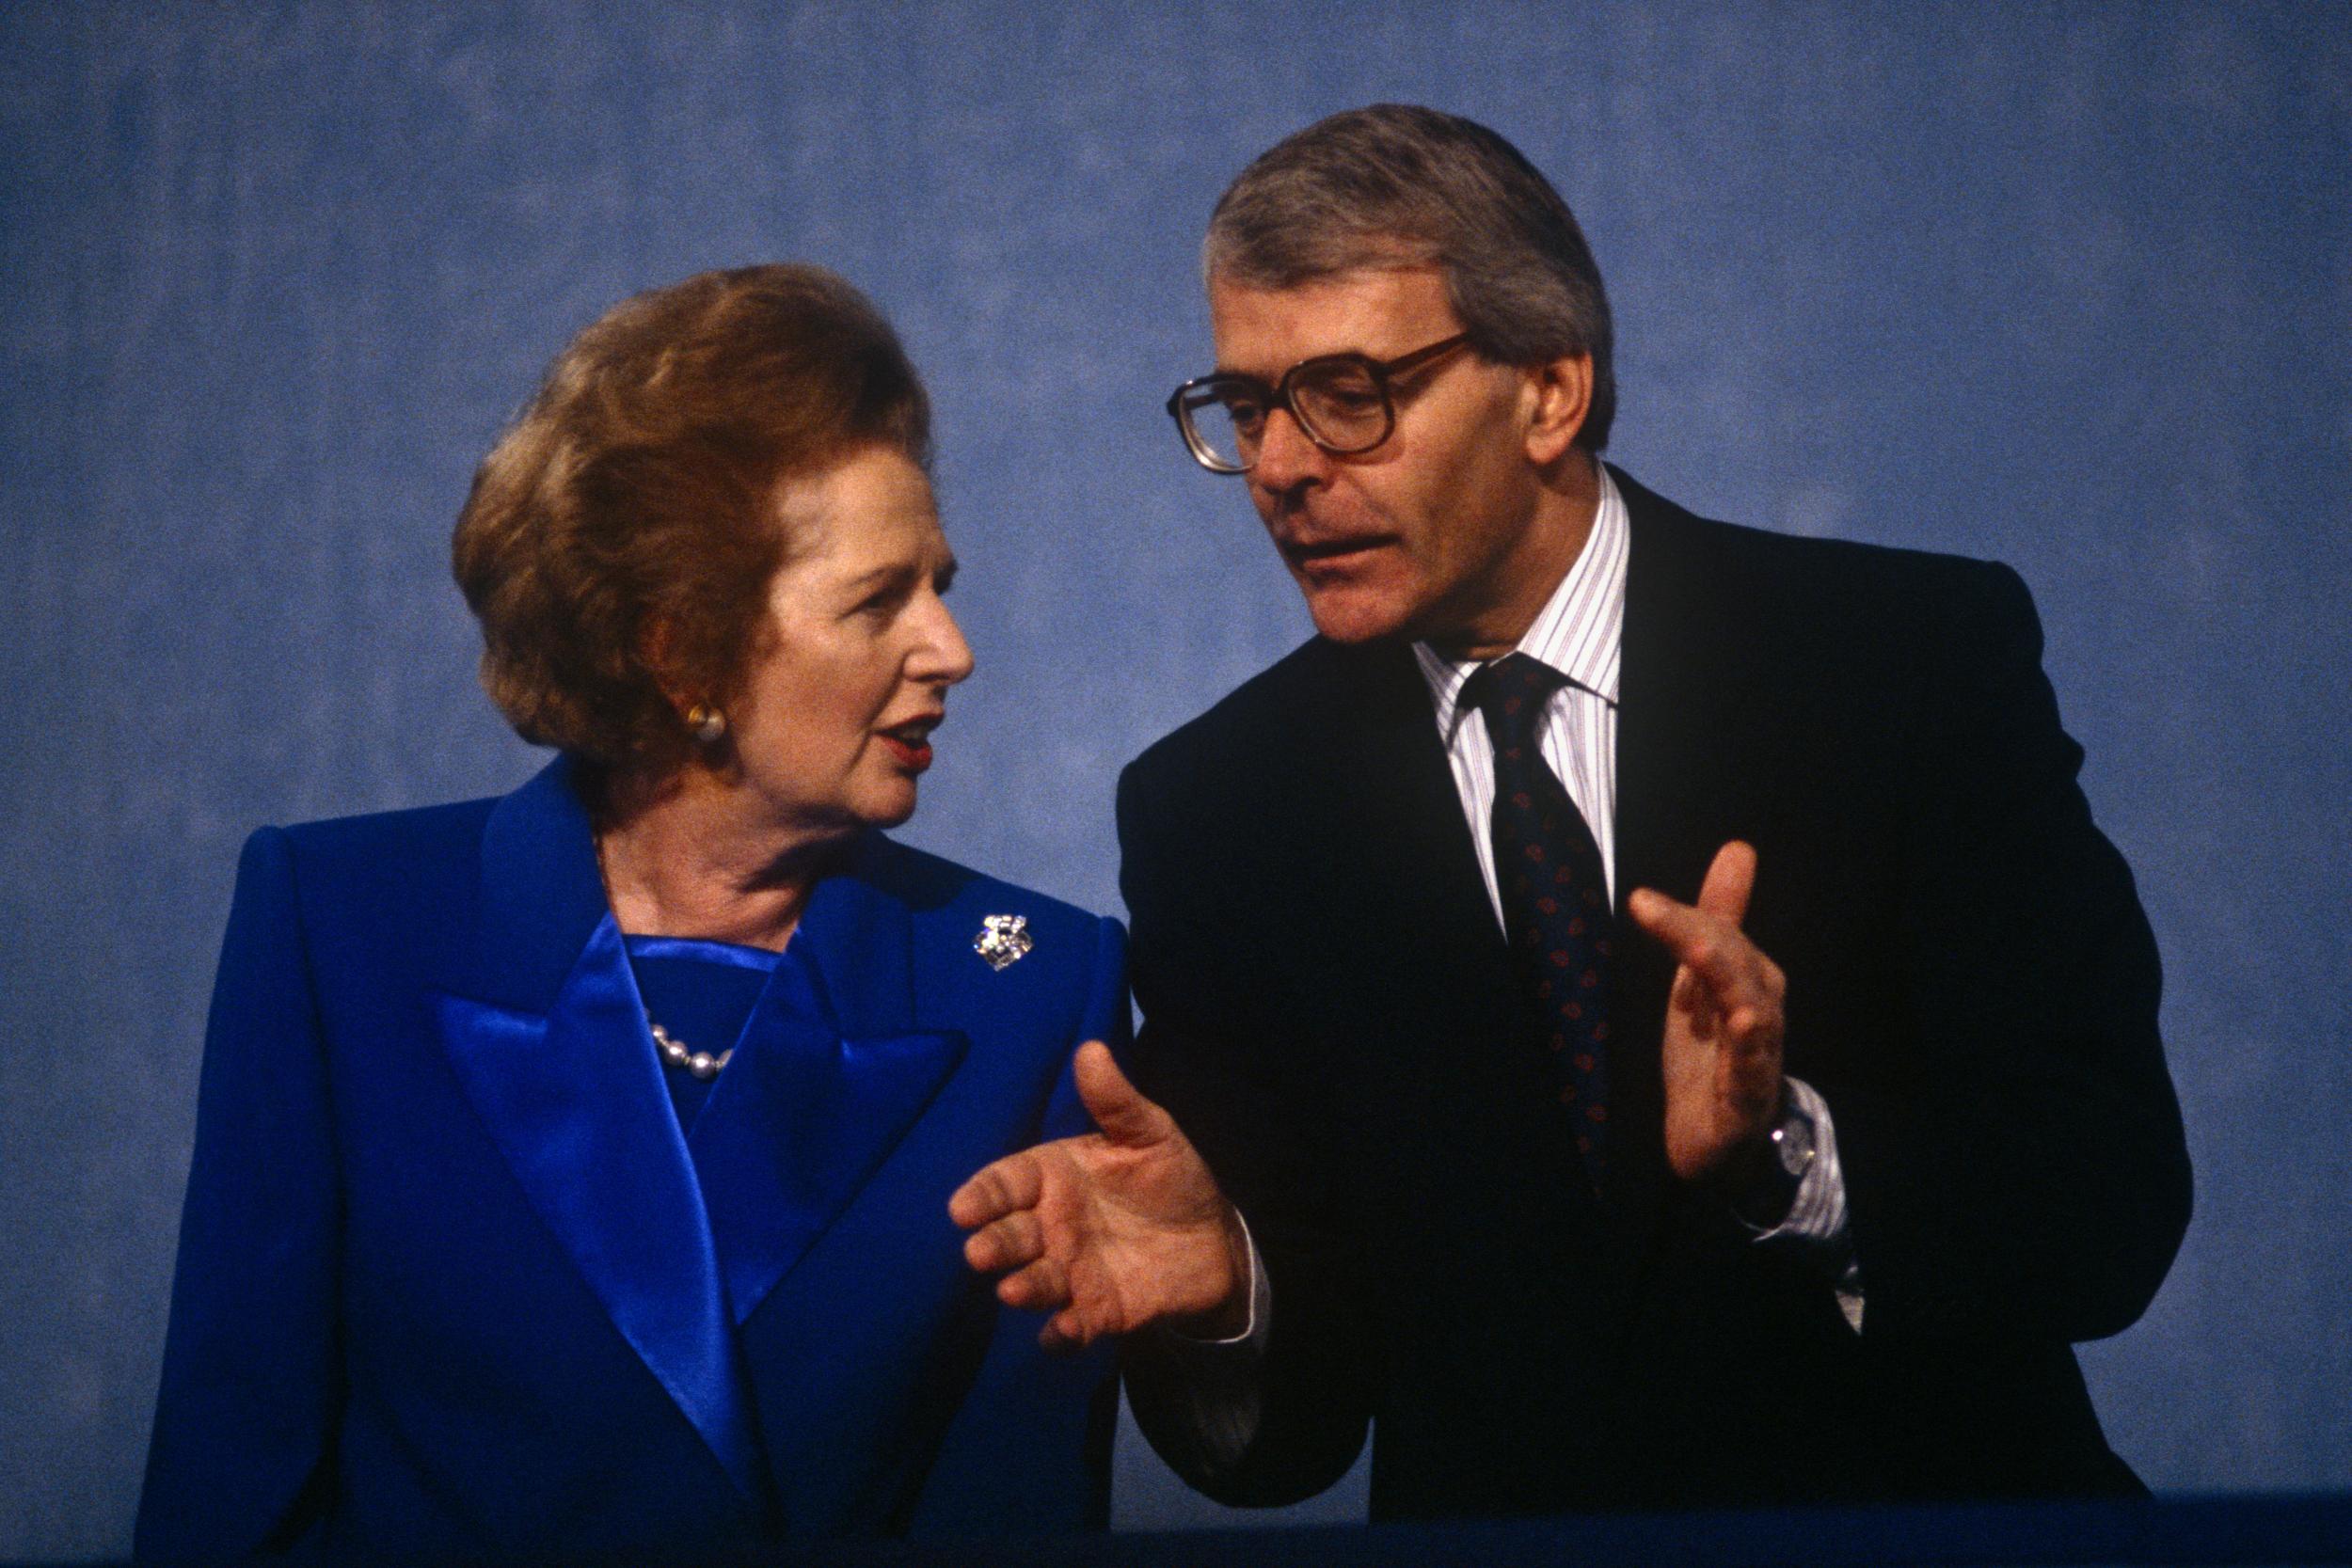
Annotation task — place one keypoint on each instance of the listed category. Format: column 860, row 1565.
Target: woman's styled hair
column 628, row 519
column 1395, row 184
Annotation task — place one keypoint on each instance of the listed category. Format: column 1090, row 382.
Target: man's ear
column 1558, row 396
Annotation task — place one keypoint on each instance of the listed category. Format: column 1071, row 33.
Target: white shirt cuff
column 1213, row 1384
column 1252, row 1336
column 1817, row 1217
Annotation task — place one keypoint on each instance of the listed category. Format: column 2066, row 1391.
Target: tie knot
column 1511, row 693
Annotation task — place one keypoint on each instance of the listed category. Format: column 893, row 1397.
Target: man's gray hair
column 1400, row 185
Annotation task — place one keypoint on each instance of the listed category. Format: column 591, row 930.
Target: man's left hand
column 1112, row 1231
column 1721, row 1052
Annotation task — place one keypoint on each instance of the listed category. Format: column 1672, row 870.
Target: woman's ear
column 657, row 650
column 1558, row 397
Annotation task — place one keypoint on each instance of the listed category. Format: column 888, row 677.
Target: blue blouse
column 701, row 994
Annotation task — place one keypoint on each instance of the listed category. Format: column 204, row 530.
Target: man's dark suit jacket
column 1331, row 1014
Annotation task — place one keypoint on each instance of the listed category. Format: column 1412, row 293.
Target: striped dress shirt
column 1580, row 632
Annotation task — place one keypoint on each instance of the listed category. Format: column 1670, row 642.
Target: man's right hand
column 1112, row 1231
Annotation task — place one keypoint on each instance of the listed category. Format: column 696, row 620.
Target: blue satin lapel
column 818, row 1096
column 826, row 1079
column 574, row 1101
column 541, row 893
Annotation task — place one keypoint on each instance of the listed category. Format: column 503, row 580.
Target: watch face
column 1793, row 1140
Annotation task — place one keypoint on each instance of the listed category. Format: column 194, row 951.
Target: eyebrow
column 897, row 572
column 1270, row 380
column 876, row 577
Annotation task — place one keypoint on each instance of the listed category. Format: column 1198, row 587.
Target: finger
column 1750, row 1047
column 1748, row 1078
column 1721, row 971
column 1733, row 982
column 1729, row 881
column 1014, row 1183
column 1657, row 914
column 1117, row 1106
column 1064, row 1331
column 1018, row 1238
column 1702, row 942
column 1042, row 1287
column 1756, row 1018
column 1690, row 995
column 1748, row 1062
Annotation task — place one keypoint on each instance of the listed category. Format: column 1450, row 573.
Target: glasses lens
column 1224, row 421
column 1343, row 403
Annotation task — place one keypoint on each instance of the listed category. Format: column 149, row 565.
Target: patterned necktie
column 1555, row 895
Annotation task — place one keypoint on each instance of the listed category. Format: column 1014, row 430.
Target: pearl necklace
column 702, row 1064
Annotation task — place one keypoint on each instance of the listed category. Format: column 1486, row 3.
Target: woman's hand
column 1110, row 1232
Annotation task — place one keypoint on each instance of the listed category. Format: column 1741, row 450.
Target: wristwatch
column 1792, row 1142
column 1766, row 1204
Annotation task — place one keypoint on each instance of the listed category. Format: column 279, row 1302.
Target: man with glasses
column 1663, row 1026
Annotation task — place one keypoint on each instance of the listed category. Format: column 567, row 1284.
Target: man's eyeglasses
column 1341, row 401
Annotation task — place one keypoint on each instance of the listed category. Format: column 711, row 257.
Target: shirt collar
column 1581, row 627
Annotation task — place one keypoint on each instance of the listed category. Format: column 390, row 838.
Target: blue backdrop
column 2064, row 285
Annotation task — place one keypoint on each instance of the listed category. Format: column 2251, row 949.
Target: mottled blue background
column 2065, row 285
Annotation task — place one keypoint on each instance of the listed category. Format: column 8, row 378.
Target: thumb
column 1117, row 1106
column 1729, row 881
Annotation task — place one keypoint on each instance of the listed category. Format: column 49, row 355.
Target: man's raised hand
column 1112, row 1231
column 1722, row 1050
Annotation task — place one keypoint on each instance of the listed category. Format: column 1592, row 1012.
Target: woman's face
column 833, row 725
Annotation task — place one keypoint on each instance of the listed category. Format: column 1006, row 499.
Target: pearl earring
column 707, row 723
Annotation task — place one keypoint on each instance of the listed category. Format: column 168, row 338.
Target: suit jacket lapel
column 1683, row 714
column 1684, row 706
column 552, row 1051
column 827, row 1079
column 1410, row 919
column 1414, row 835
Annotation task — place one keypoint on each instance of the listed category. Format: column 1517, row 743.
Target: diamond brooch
column 1004, row 940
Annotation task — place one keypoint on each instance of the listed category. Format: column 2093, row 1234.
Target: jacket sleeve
column 241, row 1462
column 1197, row 1055
column 2027, row 1178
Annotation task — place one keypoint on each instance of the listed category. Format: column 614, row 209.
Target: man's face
column 1429, row 535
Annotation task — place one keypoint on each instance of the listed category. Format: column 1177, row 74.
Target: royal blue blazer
column 452, row 1282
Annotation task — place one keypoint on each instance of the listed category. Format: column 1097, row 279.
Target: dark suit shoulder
column 1786, row 577
column 1270, row 732
column 1801, row 577
column 1262, row 707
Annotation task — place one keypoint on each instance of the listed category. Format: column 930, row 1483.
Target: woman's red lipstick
column 910, row 744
